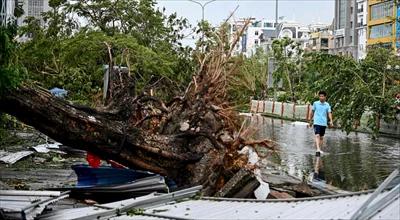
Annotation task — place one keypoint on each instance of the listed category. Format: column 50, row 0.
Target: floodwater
column 351, row 162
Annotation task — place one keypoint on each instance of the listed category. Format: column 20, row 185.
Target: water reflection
column 354, row 162
column 319, row 174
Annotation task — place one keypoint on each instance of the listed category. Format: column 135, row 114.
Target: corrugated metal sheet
column 27, row 204
column 44, row 178
column 11, row 158
column 105, row 211
column 328, row 207
column 137, row 217
column 392, row 211
column 163, row 207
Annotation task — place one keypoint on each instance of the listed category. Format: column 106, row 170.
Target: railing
column 338, row 32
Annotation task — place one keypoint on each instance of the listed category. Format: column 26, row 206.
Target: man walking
column 321, row 110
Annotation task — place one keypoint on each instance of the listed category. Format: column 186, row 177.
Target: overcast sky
column 304, row 11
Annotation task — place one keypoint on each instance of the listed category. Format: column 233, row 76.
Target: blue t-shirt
column 321, row 111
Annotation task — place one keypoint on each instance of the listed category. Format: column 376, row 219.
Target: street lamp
column 203, row 6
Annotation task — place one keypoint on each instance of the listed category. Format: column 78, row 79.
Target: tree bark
column 189, row 157
column 194, row 139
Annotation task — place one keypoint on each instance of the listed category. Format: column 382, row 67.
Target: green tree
column 140, row 37
column 288, row 56
column 251, row 79
column 355, row 88
column 11, row 73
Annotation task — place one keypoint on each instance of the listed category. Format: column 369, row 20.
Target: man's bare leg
column 317, row 142
column 321, row 142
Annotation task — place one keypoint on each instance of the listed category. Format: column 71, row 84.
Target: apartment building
column 382, row 23
column 345, row 34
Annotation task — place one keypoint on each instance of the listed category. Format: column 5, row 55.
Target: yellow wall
column 390, row 39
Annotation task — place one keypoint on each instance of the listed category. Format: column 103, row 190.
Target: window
column 300, row 34
column 324, row 42
column 256, row 33
column 382, row 30
column 351, row 10
column 351, row 39
column 268, row 24
column 342, row 13
column 314, row 42
column 351, row 24
column 257, row 24
column 382, row 10
column 35, row 8
column 386, row 45
column 256, row 41
column 361, row 9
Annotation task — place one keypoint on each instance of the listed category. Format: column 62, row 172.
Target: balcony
column 338, row 33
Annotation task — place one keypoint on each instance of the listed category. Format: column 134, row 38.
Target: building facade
column 345, row 34
column 319, row 41
column 33, row 8
column 234, row 27
column 259, row 33
column 382, row 23
column 362, row 17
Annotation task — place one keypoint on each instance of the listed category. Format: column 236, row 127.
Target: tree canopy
column 80, row 37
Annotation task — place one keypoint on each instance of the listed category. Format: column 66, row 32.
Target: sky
column 303, row 11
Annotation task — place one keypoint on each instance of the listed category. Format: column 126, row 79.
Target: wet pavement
column 351, row 162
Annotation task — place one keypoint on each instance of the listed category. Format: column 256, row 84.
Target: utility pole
column 276, row 13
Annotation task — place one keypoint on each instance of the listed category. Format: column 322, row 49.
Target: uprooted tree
column 193, row 139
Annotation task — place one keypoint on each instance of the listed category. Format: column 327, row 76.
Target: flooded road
column 351, row 162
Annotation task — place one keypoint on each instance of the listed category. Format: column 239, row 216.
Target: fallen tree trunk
column 194, row 139
column 110, row 139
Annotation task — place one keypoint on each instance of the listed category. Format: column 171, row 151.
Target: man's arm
column 310, row 117
column 330, row 119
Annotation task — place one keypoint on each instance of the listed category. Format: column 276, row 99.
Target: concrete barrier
column 283, row 109
column 301, row 112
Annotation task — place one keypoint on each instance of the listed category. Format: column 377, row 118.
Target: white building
column 257, row 34
column 361, row 27
column 295, row 31
column 260, row 34
column 33, row 8
column 236, row 26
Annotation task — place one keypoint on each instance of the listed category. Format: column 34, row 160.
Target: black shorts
column 318, row 129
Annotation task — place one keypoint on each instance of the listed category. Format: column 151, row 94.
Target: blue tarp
column 104, row 175
column 61, row 93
